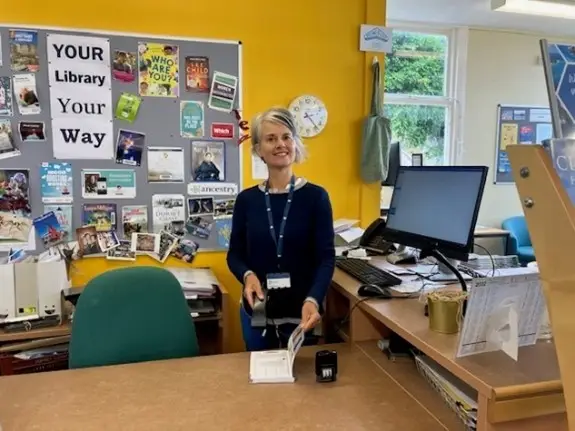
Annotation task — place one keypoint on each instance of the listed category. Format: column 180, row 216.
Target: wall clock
column 310, row 115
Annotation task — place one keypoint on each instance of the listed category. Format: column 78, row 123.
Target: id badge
column 278, row 281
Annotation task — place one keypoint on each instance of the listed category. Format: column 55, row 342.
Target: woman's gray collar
column 299, row 183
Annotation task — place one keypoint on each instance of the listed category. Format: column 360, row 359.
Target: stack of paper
column 276, row 366
column 195, row 282
column 459, row 397
column 347, row 233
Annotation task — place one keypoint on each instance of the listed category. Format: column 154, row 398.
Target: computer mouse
column 371, row 290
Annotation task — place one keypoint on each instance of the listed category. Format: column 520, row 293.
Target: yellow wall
column 290, row 48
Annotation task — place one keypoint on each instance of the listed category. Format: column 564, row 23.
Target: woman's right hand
column 252, row 288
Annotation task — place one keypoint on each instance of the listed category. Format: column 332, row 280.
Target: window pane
column 419, row 129
column 417, row 64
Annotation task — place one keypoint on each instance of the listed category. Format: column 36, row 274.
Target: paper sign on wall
column 375, row 38
column 212, row 189
column 80, row 96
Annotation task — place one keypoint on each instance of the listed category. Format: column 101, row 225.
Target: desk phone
column 372, row 239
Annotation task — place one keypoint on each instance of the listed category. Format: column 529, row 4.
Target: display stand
column 550, row 217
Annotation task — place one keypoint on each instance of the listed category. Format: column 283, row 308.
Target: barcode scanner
column 326, row 366
column 259, row 315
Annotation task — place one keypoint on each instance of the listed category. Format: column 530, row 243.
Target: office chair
column 131, row 315
column 519, row 242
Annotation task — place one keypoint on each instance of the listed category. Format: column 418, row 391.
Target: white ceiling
column 474, row 13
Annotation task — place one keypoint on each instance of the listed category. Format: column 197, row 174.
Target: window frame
column 453, row 98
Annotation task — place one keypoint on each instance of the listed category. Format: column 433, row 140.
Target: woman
column 282, row 238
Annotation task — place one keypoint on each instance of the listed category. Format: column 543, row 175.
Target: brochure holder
column 550, row 217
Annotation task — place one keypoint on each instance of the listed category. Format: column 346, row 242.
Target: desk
column 213, row 394
column 508, row 391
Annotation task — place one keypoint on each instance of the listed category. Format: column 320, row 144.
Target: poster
column 208, row 161
column 124, row 66
column 523, row 125
column 168, row 214
column 56, row 182
column 80, row 96
column 129, row 147
column 158, row 70
column 198, row 74
column 6, row 103
column 49, row 229
column 16, row 229
column 32, row 131
column 24, row 50
column 165, row 164
column 191, row 119
column 26, row 94
column 128, row 107
column 108, row 183
column 223, row 92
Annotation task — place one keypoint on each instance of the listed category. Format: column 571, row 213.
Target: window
column 418, row 94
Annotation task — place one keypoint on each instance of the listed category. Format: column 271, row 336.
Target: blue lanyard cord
column 279, row 238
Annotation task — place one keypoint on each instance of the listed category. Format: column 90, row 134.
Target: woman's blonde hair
column 278, row 116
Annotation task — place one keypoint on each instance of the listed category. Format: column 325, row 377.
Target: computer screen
column 436, row 206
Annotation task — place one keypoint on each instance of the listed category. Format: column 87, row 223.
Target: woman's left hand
column 310, row 316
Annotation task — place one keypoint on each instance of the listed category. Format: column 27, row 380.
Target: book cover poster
column 64, row 215
column 56, row 182
column 223, row 92
column 124, row 66
column 26, row 94
column 128, row 107
column 208, row 161
column 108, row 183
column 24, row 50
column 6, row 103
column 191, row 119
column 49, row 230
column 7, row 147
column 198, row 74
column 224, row 231
column 158, row 70
column 101, row 215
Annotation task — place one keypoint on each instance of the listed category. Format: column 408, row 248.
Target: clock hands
column 308, row 117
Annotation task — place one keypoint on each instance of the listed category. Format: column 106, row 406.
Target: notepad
column 276, row 366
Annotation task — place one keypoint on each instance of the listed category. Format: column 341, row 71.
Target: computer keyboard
column 366, row 273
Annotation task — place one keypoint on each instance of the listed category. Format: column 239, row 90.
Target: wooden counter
column 508, row 390
column 213, row 393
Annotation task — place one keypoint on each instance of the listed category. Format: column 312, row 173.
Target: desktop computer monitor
column 434, row 209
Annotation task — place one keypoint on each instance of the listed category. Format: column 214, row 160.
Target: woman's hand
column 310, row 316
column 252, row 288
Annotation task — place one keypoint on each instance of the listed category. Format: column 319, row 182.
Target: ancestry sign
column 80, row 96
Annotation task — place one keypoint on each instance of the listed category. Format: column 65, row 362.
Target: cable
column 493, row 267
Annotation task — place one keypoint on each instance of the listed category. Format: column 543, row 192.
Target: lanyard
column 279, row 238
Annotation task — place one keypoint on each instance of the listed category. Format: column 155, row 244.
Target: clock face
column 310, row 115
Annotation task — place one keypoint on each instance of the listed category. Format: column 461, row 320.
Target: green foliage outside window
column 417, row 67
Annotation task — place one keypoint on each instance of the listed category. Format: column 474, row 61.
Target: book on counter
column 276, row 366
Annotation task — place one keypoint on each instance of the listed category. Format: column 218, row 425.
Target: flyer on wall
column 191, row 119
column 158, row 70
column 16, row 228
column 165, row 164
column 223, row 92
column 24, row 50
column 127, row 107
column 6, row 104
column 26, row 94
column 64, row 216
column 134, row 220
column 198, row 74
column 208, row 161
column 124, row 66
column 169, row 214
column 32, row 131
column 108, row 183
column 129, row 147
column 56, row 182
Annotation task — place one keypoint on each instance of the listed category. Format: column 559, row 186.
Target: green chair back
column 131, row 315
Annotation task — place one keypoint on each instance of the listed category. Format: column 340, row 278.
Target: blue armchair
column 519, row 242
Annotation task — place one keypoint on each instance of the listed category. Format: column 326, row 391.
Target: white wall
column 502, row 68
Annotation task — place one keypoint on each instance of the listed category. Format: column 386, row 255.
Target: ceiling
column 474, row 13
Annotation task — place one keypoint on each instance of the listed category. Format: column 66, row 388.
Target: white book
column 276, row 366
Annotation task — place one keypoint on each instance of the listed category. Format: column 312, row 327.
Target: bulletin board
column 66, row 99
column 516, row 124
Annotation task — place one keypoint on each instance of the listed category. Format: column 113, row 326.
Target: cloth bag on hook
column 376, row 136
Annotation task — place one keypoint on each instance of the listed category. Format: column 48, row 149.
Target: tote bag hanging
column 376, row 137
